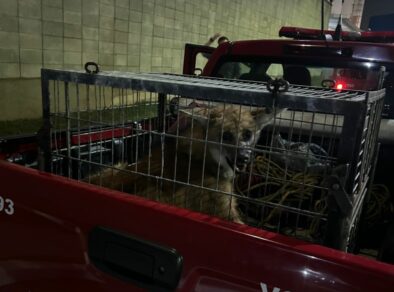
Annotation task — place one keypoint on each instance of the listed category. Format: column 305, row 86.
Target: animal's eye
column 227, row 136
column 246, row 135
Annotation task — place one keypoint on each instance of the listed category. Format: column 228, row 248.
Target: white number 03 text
column 6, row 206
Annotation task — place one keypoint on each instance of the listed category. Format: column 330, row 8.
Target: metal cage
column 305, row 172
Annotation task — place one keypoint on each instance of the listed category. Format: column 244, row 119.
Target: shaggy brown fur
column 190, row 164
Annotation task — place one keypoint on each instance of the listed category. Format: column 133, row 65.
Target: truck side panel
column 52, row 254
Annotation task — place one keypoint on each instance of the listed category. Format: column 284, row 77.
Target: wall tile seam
column 83, row 51
column 42, row 34
column 128, row 35
column 64, row 30
column 19, row 41
column 99, row 52
column 139, row 47
column 114, row 37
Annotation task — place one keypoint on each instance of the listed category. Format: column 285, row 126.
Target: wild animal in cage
column 195, row 164
column 228, row 152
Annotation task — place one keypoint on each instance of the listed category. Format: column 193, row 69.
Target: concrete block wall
column 132, row 35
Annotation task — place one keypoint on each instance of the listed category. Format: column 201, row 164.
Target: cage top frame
column 352, row 105
column 250, row 93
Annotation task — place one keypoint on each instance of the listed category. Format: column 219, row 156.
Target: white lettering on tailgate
column 7, row 206
column 264, row 288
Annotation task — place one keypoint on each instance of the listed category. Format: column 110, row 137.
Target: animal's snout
column 242, row 160
column 243, row 157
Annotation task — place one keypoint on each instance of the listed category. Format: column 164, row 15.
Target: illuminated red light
column 339, row 86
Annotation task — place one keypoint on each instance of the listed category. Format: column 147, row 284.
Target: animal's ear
column 198, row 115
column 263, row 116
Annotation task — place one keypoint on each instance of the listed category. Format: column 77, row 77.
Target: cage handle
column 92, row 64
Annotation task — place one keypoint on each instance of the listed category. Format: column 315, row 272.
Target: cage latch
column 337, row 191
column 277, row 85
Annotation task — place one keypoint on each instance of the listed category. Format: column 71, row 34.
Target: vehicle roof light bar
column 315, row 34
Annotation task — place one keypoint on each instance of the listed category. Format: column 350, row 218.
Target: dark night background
column 376, row 8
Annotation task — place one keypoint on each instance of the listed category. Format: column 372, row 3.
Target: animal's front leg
column 236, row 217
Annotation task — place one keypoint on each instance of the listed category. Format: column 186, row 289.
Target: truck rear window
column 338, row 77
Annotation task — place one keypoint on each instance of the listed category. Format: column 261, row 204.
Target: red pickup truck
column 352, row 63
column 63, row 234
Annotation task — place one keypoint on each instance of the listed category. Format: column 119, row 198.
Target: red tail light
column 340, row 86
